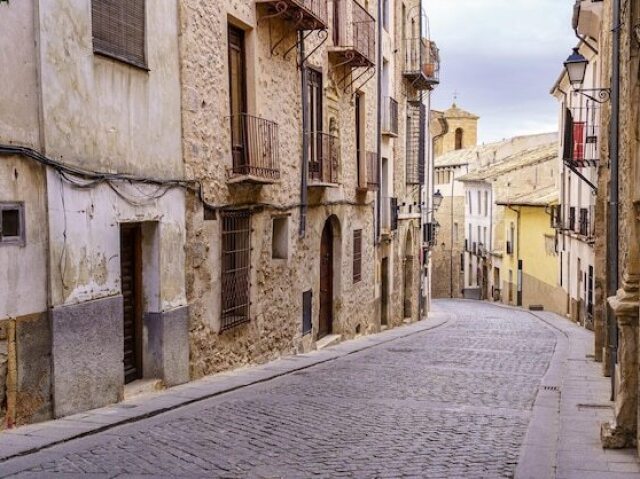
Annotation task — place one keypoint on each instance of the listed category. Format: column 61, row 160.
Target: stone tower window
column 459, row 137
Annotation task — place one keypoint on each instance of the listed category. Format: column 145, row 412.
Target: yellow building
column 531, row 263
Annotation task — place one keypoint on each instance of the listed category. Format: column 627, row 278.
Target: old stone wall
column 448, row 249
column 274, row 93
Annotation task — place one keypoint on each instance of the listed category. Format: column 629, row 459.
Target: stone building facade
column 622, row 314
column 92, row 292
column 326, row 195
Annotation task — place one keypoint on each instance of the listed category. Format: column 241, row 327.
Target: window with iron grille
column 357, row 255
column 236, row 268
column 119, row 30
column 584, row 221
column 572, row 218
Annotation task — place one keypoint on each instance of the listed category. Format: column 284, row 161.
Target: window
column 486, row 203
column 385, row 14
column 237, row 96
column 470, row 205
column 236, row 266
column 470, row 234
column 280, row 238
column 479, row 203
column 12, row 223
column 357, row 255
column 314, row 110
column 455, row 231
column 119, row 30
column 459, row 138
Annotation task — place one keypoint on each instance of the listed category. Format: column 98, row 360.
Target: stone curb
column 30, row 439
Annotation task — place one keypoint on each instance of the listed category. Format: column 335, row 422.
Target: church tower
column 462, row 132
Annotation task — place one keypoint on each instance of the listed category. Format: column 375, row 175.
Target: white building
column 579, row 155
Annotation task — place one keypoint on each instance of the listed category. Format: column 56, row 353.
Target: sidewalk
column 29, row 439
column 563, row 440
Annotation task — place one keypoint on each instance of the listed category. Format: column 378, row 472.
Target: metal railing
column 307, row 14
column 324, row 157
column 422, row 62
column 373, row 172
column 354, row 28
column 581, row 145
column 390, row 116
column 254, row 147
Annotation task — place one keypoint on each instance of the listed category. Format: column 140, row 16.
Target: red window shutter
column 579, row 131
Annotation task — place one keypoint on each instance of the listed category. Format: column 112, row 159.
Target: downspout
column 612, row 246
column 305, row 140
column 379, row 124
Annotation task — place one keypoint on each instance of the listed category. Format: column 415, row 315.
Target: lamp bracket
column 599, row 95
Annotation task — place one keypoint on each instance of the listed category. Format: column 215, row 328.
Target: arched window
column 459, row 134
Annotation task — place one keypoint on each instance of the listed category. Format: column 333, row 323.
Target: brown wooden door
column 326, row 282
column 131, row 277
column 384, row 292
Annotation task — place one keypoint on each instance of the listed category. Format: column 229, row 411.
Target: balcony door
column 314, row 98
column 237, row 98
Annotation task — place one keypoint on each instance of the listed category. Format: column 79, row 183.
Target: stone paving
column 452, row 402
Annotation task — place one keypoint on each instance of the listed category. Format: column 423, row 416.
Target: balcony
column 354, row 35
column 303, row 14
column 422, row 63
column 324, row 159
column 390, row 117
column 581, row 143
column 373, row 172
column 254, row 149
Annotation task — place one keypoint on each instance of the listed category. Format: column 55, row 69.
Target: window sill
column 111, row 56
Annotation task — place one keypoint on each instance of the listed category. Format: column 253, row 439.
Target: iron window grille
column 584, row 222
column 307, row 311
column 236, row 268
column 572, row 218
column 119, row 30
column 357, row 255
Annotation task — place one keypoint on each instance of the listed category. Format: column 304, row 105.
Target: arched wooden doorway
column 325, row 324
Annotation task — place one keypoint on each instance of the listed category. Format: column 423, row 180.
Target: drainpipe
column 379, row 123
column 305, row 140
column 612, row 240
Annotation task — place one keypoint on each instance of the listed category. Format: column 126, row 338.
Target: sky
column 502, row 57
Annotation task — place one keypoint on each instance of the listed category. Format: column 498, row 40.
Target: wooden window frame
column 357, row 256
column 19, row 240
column 102, row 47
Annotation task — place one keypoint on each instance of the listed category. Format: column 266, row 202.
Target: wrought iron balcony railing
column 581, row 144
column 354, row 34
column 390, row 117
column 254, row 149
column 324, row 159
column 304, row 14
column 422, row 63
column 373, row 172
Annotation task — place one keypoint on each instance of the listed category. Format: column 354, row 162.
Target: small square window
column 11, row 223
column 280, row 238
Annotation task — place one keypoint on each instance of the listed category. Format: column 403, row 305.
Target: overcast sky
column 502, row 57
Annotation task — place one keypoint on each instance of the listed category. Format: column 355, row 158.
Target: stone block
column 33, row 349
column 87, row 351
column 167, row 351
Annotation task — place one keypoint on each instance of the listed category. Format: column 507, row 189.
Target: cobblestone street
column 455, row 401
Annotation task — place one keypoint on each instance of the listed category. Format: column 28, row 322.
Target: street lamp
column 576, row 67
column 437, row 200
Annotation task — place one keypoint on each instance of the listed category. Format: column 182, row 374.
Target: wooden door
column 384, row 291
column 326, row 282
column 131, row 278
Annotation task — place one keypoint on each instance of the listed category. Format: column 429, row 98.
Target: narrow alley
column 477, row 395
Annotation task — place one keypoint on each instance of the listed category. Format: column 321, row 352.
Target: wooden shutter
column 357, row 255
column 119, row 29
column 568, row 136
